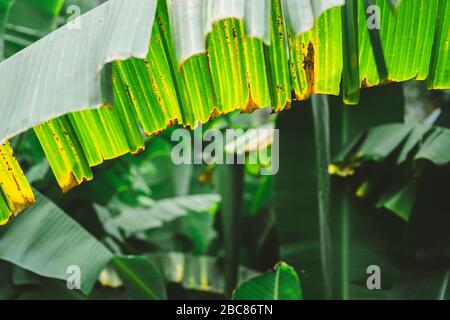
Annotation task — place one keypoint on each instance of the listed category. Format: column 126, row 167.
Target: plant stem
column 231, row 189
column 322, row 141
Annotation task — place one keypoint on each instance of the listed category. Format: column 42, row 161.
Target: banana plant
column 91, row 92
column 159, row 77
column 282, row 283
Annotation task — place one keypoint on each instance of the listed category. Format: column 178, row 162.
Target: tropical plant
column 185, row 78
column 118, row 79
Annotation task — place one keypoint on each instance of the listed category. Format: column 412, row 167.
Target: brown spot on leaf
column 308, row 66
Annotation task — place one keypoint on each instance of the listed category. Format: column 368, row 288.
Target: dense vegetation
column 357, row 186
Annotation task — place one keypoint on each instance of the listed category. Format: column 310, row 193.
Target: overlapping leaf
column 280, row 284
column 229, row 62
column 400, row 148
column 46, row 234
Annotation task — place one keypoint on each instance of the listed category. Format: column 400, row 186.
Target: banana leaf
column 163, row 211
column 226, row 68
column 354, row 226
column 29, row 21
column 200, row 273
column 72, row 88
column 282, row 283
column 141, row 277
column 46, row 241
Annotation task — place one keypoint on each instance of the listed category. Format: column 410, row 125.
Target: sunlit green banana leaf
column 413, row 41
column 15, row 194
column 316, row 8
column 69, row 87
